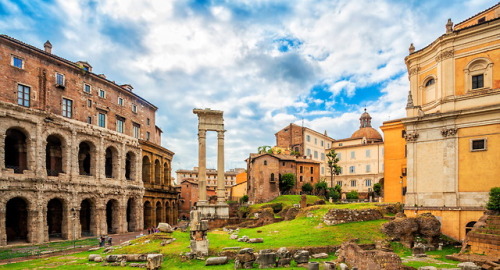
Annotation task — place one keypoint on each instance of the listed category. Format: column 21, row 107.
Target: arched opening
column 146, row 169
column 469, row 226
column 112, row 216
column 148, row 215
column 84, row 159
column 159, row 213
column 166, row 174
column 55, row 218
column 16, row 220
column 111, row 162
column 157, row 172
column 53, row 156
column 86, row 217
column 131, row 215
column 16, row 149
column 168, row 216
column 130, row 166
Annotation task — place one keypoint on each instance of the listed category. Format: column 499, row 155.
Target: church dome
column 365, row 129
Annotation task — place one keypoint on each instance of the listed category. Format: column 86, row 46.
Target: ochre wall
column 461, row 64
column 478, row 171
column 394, row 161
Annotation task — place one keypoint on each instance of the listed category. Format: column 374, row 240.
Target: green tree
column 287, row 181
column 494, row 201
column 307, row 188
column 377, row 188
column 352, row 195
column 333, row 193
column 321, row 187
column 244, row 199
column 264, row 149
column 333, row 161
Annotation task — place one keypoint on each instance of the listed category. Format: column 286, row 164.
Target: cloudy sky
column 264, row 63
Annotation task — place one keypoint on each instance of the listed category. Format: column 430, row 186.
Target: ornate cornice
column 447, row 132
column 413, row 71
column 445, row 55
column 411, row 137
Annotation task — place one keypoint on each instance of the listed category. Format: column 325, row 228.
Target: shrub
column 307, row 188
column 494, row 201
column 287, row 181
column 333, row 193
column 321, row 187
column 352, row 195
column 377, row 188
column 244, row 199
column 277, row 207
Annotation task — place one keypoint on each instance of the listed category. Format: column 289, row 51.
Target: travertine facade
column 453, row 124
column 70, row 148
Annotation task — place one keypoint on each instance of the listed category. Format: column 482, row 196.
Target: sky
column 266, row 64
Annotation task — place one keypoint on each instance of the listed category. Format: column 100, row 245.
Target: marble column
column 202, row 176
column 221, row 187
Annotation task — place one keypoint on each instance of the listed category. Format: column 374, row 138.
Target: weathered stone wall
column 354, row 256
column 484, row 238
column 338, row 216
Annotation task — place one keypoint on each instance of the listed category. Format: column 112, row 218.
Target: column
column 202, row 176
column 221, row 187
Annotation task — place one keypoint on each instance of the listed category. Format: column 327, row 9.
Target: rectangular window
column 339, row 156
column 477, row 81
column 301, row 169
column 23, row 95
column 315, row 154
column 478, row 145
column 102, row 120
column 340, row 170
column 308, row 138
column 301, row 179
column 353, row 183
column 89, row 102
column 353, row 155
column 368, row 153
column 87, row 88
column 308, row 152
column 147, row 121
column 120, row 101
column 17, row 62
column 137, row 131
column 339, row 183
column 315, row 141
column 312, row 179
column 102, row 93
column 352, row 169
column 134, row 108
column 312, row 169
column 368, row 182
column 89, row 120
column 67, row 108
column 148, row 135
column 120, row 124
column 368, row 168
column 322, row 156
column 322, row 170
column 322, row 143
column 60, row 79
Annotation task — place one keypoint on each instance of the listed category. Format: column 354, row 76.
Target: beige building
column 229, row 177
column 306, row 142
column 452, row 128
column 361, row 158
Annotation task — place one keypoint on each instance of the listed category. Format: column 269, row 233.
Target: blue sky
column 264, row 63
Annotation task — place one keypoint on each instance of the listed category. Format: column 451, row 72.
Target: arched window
column 85, row 158
column 469, row 226
column 111, row 162
column 429, row 93
column 430, row 82
column 272, row 177
column 130, row 166
column 265, row 162
column 16, row 150
column 157, row 172
column 53, row 156
column 146, row 169
column 478, row 74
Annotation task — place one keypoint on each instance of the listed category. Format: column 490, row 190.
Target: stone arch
column 469, row 226
column 16, row 220
column 111, row 163
column 16, row 149
column 87, row 218
column 112, row 216
column 166, row 174
column 130, row 165
column 148, row 214
column 86, row 158
column 131, row 215
column 55, row 154
column 55, row 219
column 146, row 169
column 168, row 215
column 157, row 172
column 159, row 213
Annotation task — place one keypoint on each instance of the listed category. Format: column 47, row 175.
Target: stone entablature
column 50, row 188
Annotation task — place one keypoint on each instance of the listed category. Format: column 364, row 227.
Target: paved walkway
column 117, row 239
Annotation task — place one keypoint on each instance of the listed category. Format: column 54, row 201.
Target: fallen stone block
column 266, row 259
column 93, row 256
column 216, row 261
column 140, row 265
column 468, row 266
column 165, row 227
column 255, row 240
column 320, row 256
column 301, row 256
column 154, row 261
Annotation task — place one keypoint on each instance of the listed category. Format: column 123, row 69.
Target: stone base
column 213, row 211
column 199, row 247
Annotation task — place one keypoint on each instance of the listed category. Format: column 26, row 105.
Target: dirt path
column 117, row 239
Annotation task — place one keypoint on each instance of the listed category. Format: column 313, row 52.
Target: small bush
column 333, row 193
column 494, row 202
column 307, row 188
column 244, row 199
column 277, row 207
column 352, row 195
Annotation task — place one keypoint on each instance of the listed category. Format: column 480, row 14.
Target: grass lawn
column 24, row 251
column 436, row 258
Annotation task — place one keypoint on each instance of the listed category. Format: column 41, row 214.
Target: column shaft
column 202, row 176
column 221, row 187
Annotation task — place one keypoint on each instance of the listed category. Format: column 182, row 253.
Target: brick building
column 71, row 152
column 265, row 170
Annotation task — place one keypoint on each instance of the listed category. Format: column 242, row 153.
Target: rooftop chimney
column 47, row 46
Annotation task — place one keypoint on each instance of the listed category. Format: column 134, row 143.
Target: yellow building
column 240, row 188
column 394, row 161
column 453, row 122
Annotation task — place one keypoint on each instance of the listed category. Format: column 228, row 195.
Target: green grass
column 436, row 258
column 286, row 201
column 24, row 251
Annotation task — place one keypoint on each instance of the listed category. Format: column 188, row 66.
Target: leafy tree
column 494, row 201
column 264, row 149
column 338, row 188
column 321, row 187
column 352, row 195
column 287, row 182
column 244, row 199
column 307, row 188
column 377, row 188
column 333, row 161
column 294, row 153
column 333, row 193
